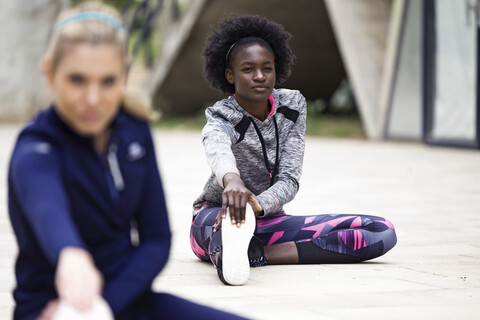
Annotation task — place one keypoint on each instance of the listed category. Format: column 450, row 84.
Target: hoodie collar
column 117, row 122
column 272, row 99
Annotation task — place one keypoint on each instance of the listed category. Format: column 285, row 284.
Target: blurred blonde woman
column 83, row 178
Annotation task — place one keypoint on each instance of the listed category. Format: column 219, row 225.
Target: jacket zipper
column 114, row 167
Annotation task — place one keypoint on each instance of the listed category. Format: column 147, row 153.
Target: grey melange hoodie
column 233, row 145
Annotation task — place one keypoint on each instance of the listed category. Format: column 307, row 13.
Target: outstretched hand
column 77, row 280
column 235, row 197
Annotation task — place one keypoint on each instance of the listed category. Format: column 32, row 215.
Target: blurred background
column 370, row 69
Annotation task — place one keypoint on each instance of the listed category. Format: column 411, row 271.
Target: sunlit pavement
column 431, row 194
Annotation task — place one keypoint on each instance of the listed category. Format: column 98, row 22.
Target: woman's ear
column 229, row 75
column 48, row 71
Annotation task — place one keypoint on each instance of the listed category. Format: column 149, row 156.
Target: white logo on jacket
column 37, row 147
column 135, row 151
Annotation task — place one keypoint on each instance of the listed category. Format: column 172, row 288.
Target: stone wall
column 25, row 27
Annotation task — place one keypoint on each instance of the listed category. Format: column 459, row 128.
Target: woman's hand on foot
column 253, row 201
column 235, row 197
column 78, row 281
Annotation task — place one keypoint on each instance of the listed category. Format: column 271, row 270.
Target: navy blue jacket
column 62, row 193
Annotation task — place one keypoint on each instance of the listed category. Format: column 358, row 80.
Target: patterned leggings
column 328, row 238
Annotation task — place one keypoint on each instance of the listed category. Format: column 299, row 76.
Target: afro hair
column 224, row 40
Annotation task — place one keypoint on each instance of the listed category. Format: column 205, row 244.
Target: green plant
column 342, row 100
column 316, row 107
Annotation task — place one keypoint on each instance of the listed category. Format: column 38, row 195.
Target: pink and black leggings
column 327, row 238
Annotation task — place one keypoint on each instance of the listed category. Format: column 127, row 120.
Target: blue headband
column 93, row 16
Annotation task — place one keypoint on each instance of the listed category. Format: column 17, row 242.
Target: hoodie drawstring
column 273, row 173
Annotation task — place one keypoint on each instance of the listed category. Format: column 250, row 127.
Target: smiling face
column 88, row 83
column 252, row 72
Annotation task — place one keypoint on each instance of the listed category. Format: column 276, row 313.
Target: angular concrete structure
column 361, row 29
column 178, row 83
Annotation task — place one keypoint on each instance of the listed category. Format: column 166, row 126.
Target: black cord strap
column 273, row 173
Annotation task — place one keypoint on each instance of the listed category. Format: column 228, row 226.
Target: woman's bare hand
column 77, row 279
column 235, row 197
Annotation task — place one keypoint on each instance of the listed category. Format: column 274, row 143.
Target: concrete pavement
column 432, row 195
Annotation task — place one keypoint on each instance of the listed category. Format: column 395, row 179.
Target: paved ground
column 432, row 195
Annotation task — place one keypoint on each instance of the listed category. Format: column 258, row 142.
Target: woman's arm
column 291, row 163
column 37, row 183
column 38, row 187
column 148, row 259
column 217, row 136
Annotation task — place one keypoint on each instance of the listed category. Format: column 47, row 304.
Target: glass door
column 451, row 60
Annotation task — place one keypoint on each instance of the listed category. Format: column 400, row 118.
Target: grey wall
column 25, row 27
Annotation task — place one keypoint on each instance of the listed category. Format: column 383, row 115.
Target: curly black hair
column 256, row 30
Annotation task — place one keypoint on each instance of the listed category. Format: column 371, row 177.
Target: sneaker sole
column 235, row 241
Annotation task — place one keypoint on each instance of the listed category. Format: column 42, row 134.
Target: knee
column 197, row 249
column 379, row 224
column 389, row 239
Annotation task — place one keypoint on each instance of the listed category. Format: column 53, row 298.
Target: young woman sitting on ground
column 254, row 142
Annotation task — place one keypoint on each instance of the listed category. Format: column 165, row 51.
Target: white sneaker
column 234, row 266
column 99, row 311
